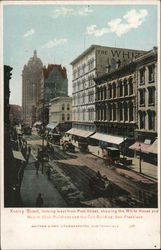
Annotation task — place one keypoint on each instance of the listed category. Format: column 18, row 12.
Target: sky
column 60, row 33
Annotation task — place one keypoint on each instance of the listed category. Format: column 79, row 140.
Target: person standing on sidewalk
column 37, row 165
column 48, row 172
column 39, row 201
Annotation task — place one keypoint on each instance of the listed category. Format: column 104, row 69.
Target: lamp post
column 43, row 134
column 140, row 158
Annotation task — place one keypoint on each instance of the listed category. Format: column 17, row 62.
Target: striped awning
column 140, row 147
column 52, row 125
column 18, row 155
column 79, row 132
column 108, row 138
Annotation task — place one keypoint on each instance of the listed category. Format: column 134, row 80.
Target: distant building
column 54, row 83
column 31, row 88
column 92, row 63
column 60, row 112
column 15, row 114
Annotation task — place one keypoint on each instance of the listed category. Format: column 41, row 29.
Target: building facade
column 54, row 82
column 60, row 112
column 31, row 88
column 147, row 96
column 93, row 62
column 15, row 114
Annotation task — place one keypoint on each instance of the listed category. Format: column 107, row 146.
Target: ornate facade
column 93, row 62
column 147, row 96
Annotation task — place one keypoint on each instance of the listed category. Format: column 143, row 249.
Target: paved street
column 71, row 174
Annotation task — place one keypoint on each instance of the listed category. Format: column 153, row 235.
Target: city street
column 71, row 174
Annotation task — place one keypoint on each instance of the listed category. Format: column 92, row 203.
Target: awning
column 154, row 147
column 37, row 123
column 18, row 155
column 140, row 147
column 108, row 138
column 79, row 132
column 52, row 125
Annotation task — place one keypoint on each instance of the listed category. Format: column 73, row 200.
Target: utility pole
column 140, row 159
column 43, row 134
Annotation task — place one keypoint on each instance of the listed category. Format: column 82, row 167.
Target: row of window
column 149, row 71
column 82, row 98
column 83, row 114
column 151, row 120
column 63, row 117
column 84, row 83
column 124, row 88
column 67, row 106
column 84, row 68
column 151, row 96
column 123, row 113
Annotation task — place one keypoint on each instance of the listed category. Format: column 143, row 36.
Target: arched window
column 151, row 120
column 142, row 120
column 131, row 111
column 121, row 111
column 105, row 92
column 63, row 106
column 114, row 90
column 125, row 88
column 110, row 91
column 130, row 86
column 114, row 112
column 68, row 117
column 125, row 112
column 121, row 88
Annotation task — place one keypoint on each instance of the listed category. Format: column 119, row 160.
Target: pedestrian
column 37, row 165
column 39, row 201
column 29, row 150
column 48, row 172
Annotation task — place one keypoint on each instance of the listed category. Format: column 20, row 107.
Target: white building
column 93, row 62
column 60, row 110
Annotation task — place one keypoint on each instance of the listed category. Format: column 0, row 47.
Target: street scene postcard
column 80, row 125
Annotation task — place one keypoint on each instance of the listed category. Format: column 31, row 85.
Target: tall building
column 31, row 87
column 54, row 83
column 93, row 62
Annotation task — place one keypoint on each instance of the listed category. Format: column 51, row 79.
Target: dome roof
column 34, row 62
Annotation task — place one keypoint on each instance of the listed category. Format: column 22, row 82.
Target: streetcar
column 111, row 154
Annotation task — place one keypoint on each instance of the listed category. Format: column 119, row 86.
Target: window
column 130, row 86
column 91, row 64
column 110, row 91
column 131, row 111
column 91, row 114
column 83, row 114
column 68, row 106
column 125, row 112
column 104, row 112
column 142, row 120
column 114, row 90
column 151, row 120
column 125, row 88
column 63, row 117
column 142, row 97
column 142, row 76
column 114, row 112
column 120, row 112
column 104, row 92
column 84, row 83
column 151, row 100
column 83, row 97
column 68, row 117
column 90, row 96
column 83, row 69
column 79, row 71
column 151, row 73
column 101, row 93
column 63, row 106
column 110, row 112
column 121, row 88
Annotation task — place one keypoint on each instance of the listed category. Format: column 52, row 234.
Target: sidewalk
column 148, row 170
column 33, row 184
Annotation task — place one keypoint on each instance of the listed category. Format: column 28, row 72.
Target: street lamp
column 140, row 158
